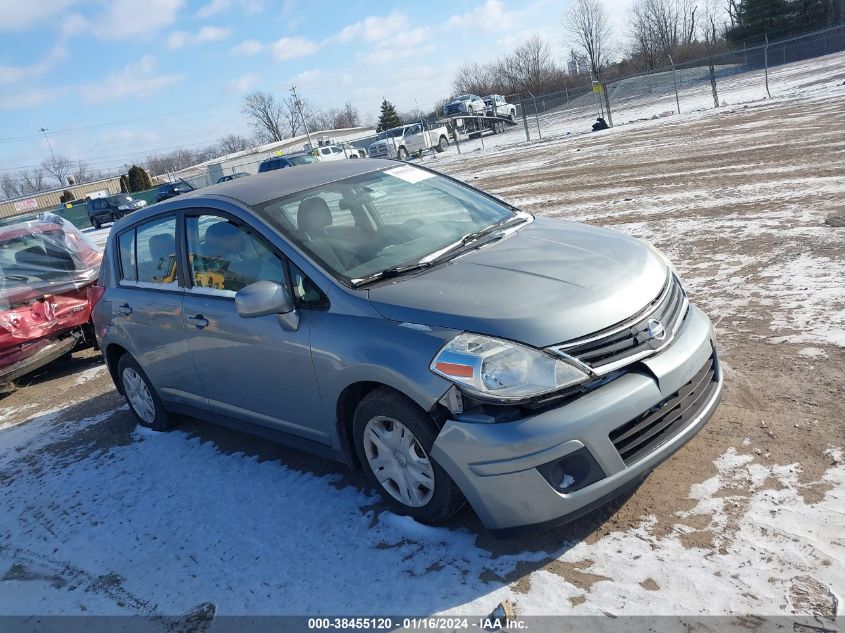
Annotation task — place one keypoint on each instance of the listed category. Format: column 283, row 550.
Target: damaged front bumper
column 555, row 466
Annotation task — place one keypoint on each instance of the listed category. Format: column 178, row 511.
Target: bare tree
column 32, row 181
column 59, row 167
column 232, row 143
column 589, row 27
column 267, row 116
column 659, row 29
column 9, row 186
column 347, row 116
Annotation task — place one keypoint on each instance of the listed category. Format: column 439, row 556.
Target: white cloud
column 23, row 99
column 373, row 28
column 490, row 17
column 137, row 80
column 16, row 15
column 307, row 78
column 213, row 7
column 401, row 44
column 293, row 47
column 248, row 48
column 14, row 74
column 206, row 34
column 244, row 83
column 126, row 19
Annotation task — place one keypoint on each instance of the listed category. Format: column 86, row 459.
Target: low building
column 49, row 200
column 246, row 161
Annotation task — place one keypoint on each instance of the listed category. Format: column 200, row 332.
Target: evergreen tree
column 755, row 19
column 388, row 118
column 138, row 178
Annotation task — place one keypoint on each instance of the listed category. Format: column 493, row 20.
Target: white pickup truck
column 498, row 106
column 414, row 138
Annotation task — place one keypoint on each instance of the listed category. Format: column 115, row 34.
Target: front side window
column 363, row 225
column 223, row 257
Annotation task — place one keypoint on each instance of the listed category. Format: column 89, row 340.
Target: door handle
column 125, row 309
column 198, row 320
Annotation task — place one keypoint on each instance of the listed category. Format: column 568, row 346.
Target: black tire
column 96, row 223
column 512, row 116
column 402, row 154
column 446, row 498
column 443, row 144
column 163, row 419
column 115, row 217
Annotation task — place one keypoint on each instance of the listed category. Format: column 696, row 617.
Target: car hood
column 548, row 283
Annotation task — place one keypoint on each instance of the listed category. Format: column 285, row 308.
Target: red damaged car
column 47, row 274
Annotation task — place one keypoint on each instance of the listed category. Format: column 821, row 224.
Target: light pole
column 298, row 105
column 43, row 130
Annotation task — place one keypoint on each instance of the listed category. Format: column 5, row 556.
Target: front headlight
column 499, row 369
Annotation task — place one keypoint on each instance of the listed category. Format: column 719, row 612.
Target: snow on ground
column 155, row 511
column 98, row 516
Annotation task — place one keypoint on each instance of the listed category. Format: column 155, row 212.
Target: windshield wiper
column 393, row 271
column 438, row 256
column 470, row 238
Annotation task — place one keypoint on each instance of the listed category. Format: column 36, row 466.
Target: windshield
column 464, row 98
column 302, row 160
column 365, row 224
column 120, row 199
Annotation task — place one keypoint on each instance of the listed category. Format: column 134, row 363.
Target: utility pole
column 43, row 130
column 298, row 105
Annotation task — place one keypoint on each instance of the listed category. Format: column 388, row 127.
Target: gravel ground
column 741, row 200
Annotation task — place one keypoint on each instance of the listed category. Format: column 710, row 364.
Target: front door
column 252, row 369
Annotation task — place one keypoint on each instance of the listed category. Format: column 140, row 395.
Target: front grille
column 663, row 421
column 609, row 349
column 454, row 108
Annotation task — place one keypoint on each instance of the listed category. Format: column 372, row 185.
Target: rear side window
column 126, row 253
column 147, row 253
column 155, row 246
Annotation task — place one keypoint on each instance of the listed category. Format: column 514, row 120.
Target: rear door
column 146, row 309
column 251, row 369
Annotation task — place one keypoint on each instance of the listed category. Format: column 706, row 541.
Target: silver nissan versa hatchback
column 453, row 347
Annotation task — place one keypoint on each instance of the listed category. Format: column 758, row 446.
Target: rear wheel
column 512, row 116
column 143, row 400
column 393, row 439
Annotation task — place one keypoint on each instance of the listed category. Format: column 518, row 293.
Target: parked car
column 327, row 153
column 497, row 105
column 465, row 104
column 169, row 190
column 280, row 162
column 451, row 346
column 47, row 272
column 405, row 140
column 111, row 208
column 240, row 174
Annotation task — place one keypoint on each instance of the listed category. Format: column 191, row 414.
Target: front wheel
column 393, row 439
column 443, row 144
column 115, row 217
column 402, row 154
column 512, row 116
column 144, row 402
column 95, row 223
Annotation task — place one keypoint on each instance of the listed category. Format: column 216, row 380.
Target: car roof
column 282, row 182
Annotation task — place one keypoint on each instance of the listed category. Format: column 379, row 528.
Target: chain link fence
column 728, row 78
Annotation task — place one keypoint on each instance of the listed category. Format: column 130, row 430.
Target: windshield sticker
column 409, row 174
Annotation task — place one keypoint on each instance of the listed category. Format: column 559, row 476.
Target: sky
column 113, row 81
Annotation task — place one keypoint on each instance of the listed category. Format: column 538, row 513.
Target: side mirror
column 264, row 298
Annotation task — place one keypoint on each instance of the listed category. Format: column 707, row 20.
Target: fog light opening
column 572, row 472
